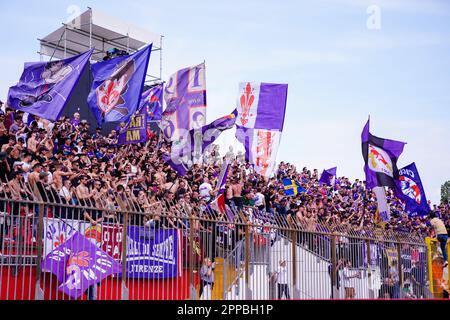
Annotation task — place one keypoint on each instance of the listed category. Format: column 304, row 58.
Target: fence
column 121, row 246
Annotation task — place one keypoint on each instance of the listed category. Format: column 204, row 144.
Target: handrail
column 209, row 215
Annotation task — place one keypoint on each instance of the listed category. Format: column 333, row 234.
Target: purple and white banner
column 261, row 105
column 189, row 149
column 45, row 87
column 153, row 254
column 78, row 264
column 57, row 231
column 261, row 148
column 261, row 109
column 185, row 96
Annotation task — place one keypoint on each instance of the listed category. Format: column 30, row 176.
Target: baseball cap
column 43, row 174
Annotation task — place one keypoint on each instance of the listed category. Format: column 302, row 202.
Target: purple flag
column 136, row 129
column 185, row 96
column 117, row 86
column 191, row 146
column 45, row 87
column 152, row 101
column 176, row 164
column 380, row 157
column 222, row 179
column 78, row 264
column 328, row 176
column 408, row 188
column 261, row 110
column 153, row 253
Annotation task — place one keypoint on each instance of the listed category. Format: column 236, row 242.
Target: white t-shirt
column 282, row 275
column 347, row 281
column 259, row 199
column 204, row 190
column 64, row 192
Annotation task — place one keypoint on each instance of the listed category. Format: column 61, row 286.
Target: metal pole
column 39, row 293
column 193, row 292
column 334, row 289
column 65, row 40
column 125, row 292
column 248, row 292
column 160, row 57
column 90, row 28
column 399, row 265
column 369, row 270
column 296, row 293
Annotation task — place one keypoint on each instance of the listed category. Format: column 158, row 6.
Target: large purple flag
column 260, row 120
column 185, row 96
column 78, row 264
column 117, row 86
column 136, row 129
column 45, row 87
column 380, row 157
column 328, row 176
column 152, row 101
column 408, row 187
column 191, row 146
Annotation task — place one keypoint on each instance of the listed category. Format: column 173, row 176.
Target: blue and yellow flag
column 292, row 187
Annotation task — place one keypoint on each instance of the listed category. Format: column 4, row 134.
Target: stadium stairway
column 313, row 280
column 219, row 272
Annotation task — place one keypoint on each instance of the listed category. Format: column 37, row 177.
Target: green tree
column 445, row 192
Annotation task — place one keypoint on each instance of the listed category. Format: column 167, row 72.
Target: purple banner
column 78, row 264
column 153, row 253
column 117, row 86
column 408, row 188
column 136, row 129
column 151, row 100
column 45, row 87
column 328, row 176
column 185, row 96
column 190, row 148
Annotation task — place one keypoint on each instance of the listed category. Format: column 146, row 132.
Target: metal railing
column 123, row 246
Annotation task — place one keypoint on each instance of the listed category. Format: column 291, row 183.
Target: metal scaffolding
column 94, row 29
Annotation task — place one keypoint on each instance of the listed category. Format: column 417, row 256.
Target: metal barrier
column 123, row 246
column 438, row 276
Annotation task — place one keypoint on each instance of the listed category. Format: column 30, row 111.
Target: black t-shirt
column 3, row 140
column 180, row 192
column 3, row 171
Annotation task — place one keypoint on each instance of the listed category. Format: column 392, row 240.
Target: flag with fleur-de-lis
column 261, row 110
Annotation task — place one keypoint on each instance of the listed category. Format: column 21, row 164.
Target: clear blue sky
column 338, row 70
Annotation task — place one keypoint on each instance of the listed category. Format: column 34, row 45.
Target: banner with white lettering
column 153, row 254
column 78, row 264
column 57, row 231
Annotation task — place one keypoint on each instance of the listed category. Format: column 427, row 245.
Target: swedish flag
column 292, row 187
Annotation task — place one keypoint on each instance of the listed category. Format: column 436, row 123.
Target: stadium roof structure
column 95, row 29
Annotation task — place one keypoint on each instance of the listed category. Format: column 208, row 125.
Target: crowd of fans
column 70, row 164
